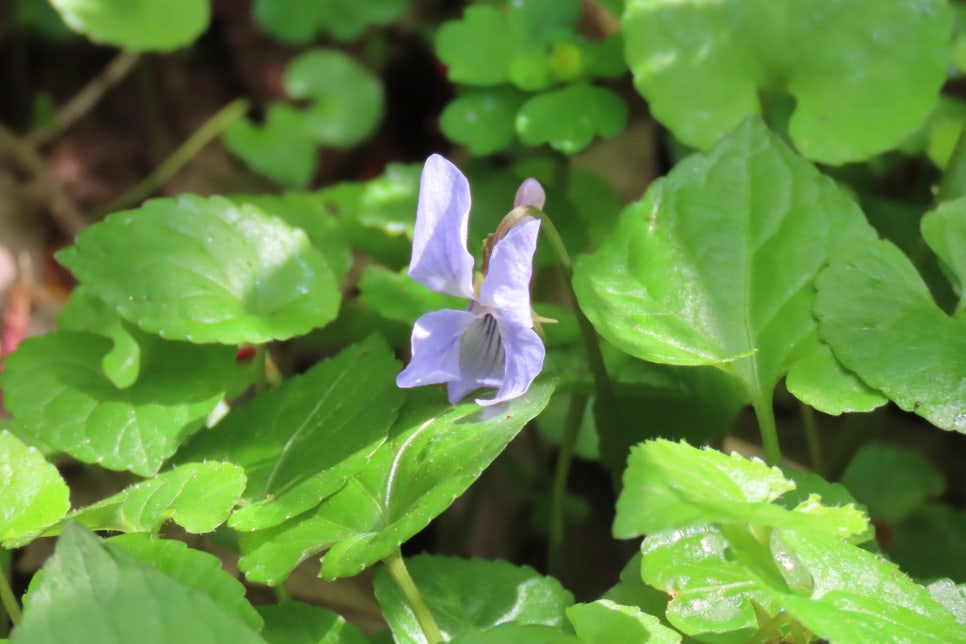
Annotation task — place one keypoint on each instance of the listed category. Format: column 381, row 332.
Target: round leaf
column 346, row 99
column 207, row 271
column 569, row 119
column 863, row 75
column 483, row 121
column 144, row 25
column 479, row 48
column 281, row 148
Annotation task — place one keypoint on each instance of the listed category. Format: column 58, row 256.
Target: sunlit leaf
column 281, row 148
column 862, row 77
column 568, row 119
column 146, row 25
column 207, row 271
column 603, row 622
column 32, row 493
column 93, row 591
column 56, row 387
column 483, row 121
column 716, row 264
column 477, row 49
column 194, row 569
column 346, row 99
column 434, row 453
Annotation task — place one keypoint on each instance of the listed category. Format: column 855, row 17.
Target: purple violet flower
column 492, row 343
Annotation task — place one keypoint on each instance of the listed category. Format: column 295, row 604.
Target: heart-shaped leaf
column 92, row 591
column 32, row 493
column 299, row 443
column 862, row 78
column 882, row 323
column 207, row 271
column 477, row 49
column 346, row 99
column 146, row 25
column 434, row 453
column 716, row 264
column 483, row 121
column 489, row 593
column 56, row 387
column 281, row 148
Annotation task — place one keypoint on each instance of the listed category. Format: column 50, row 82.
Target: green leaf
column 931, row 543
column 951, row 596
column 434, row 453
column 862, row 78
column 489, row 593
column 892, row 481
column 944, row 229
column 632, row 591
column 882, row 323
column 56, row 387
column 146, row 25
column 346, row 99
column 86, row 312
column 307, row 211
column 671, row 485
column 823, row 383
column 300, row 442
column 194, row 569
column 298, row 623
column 198, row 497
column 93, row 591
column 568, row 119
column 539, row 21
column 709, row 593
column 282, row 148
column 517, row 634
column 298, row 21
column 477, row 49
column 604, row 622
column 483, row 121
column 715, row 265
column 208, row 271
column 395, row 296
column 32, row 493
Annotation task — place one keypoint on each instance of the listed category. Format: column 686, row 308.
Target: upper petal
column 506, row 287
column 530, row 193
column 436, row 348
column 524, row 360
column 440, row 261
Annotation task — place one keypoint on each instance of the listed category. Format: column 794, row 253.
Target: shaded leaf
column 603, row 622
column 298, row 623
column 281, row 148
column 298, row 21
column 892, row 481
column 489, row 593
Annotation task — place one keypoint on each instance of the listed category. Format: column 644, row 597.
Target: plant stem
column 82, row 102
column 63, row 210
column 613, row 448
column 766, row 425
column 397, row 569
column 575, row 417
column 812, row 438
column 953, row 183
column 8, row 598
column 201, row 137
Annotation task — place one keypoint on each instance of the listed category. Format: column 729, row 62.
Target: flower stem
column 575, row 417
column 8, row 599
column 397, row 569
column 613, row 447
column 201, row 137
